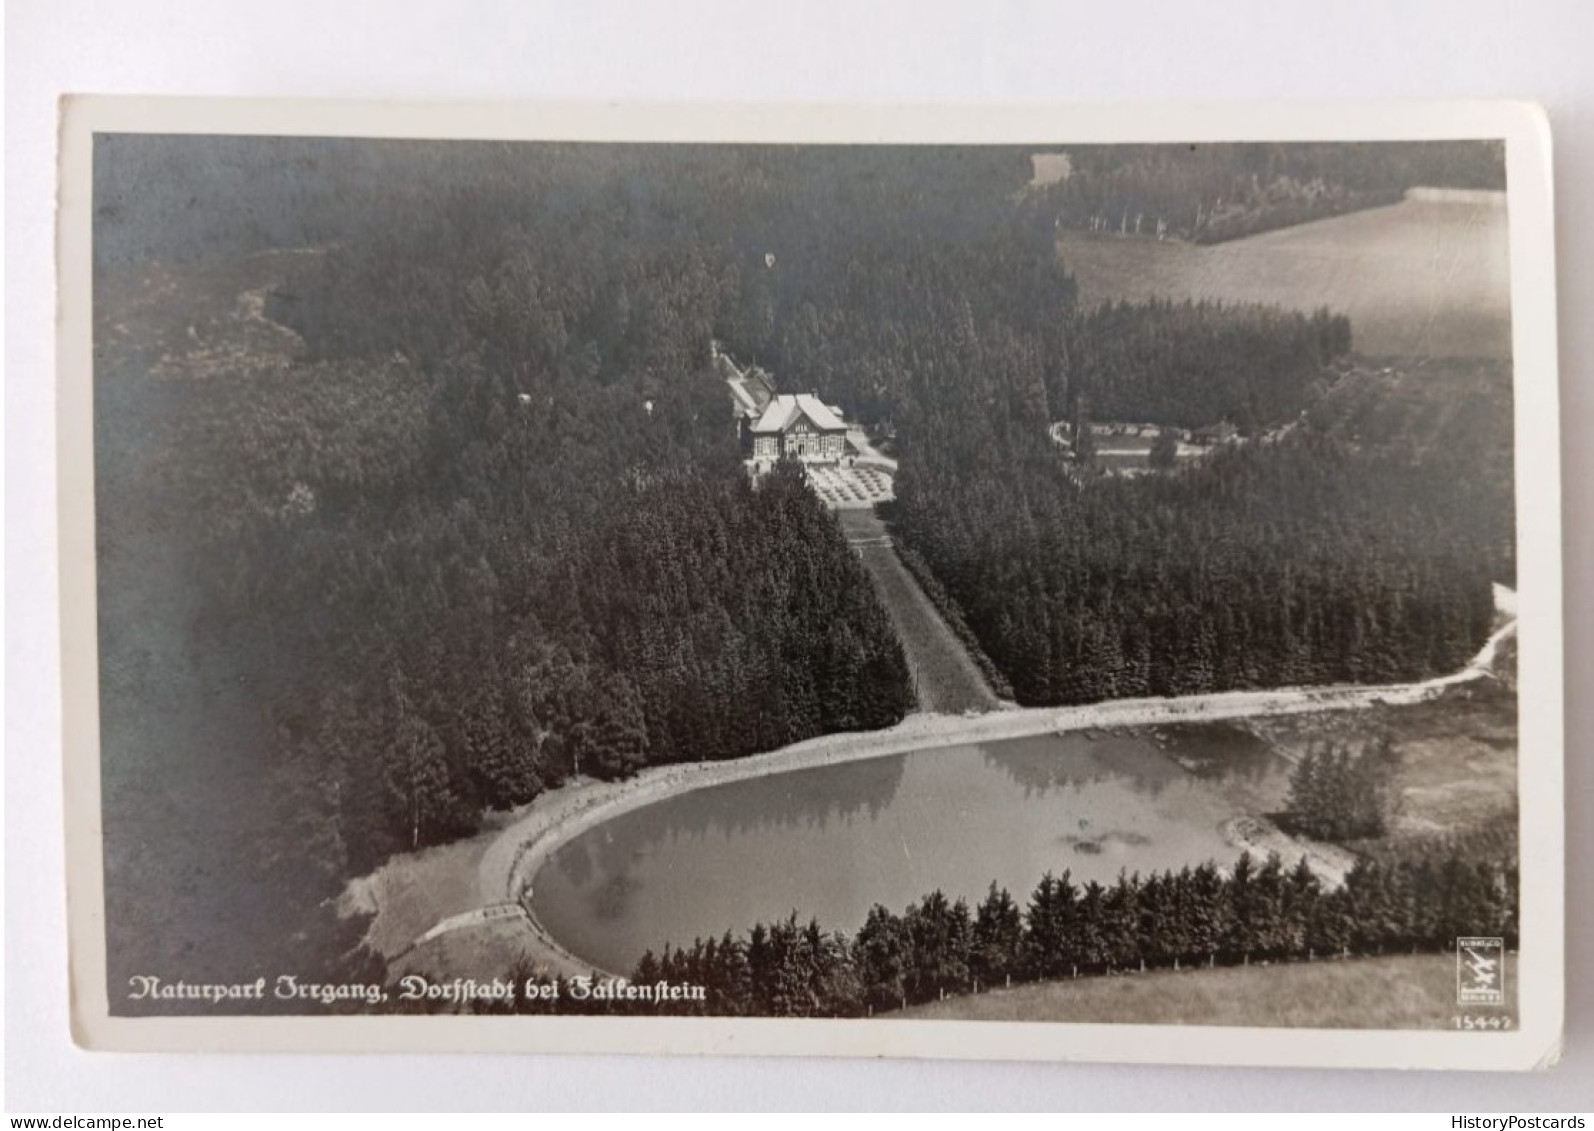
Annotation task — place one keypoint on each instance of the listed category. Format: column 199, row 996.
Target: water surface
column 831, row 842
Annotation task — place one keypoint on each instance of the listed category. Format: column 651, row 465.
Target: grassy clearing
column 1404, row 992
column 945, row 677
column 413, row 892
column 1458, row 755
column 860, row 525
column 484, row 952
column 1418, row 279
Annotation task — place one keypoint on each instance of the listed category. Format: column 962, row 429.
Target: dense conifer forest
column 467, row 595
column 489, row 529
column 1280, row 563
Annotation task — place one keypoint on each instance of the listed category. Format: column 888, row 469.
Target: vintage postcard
column 999, row 583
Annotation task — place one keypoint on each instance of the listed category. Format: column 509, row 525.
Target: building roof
column 785, row 410
column 745, row 404
column 751, row 389
column 759, row 381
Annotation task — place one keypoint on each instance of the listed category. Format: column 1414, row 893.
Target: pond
column 830, row 842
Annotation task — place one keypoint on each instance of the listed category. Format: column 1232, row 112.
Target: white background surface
column 988, row 52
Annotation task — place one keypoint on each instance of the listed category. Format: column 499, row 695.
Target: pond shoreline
column 530, row 837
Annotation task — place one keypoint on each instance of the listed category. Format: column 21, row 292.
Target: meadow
column 1422, row 278
column 1392, row 992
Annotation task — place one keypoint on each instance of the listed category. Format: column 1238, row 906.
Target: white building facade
column 799, row 426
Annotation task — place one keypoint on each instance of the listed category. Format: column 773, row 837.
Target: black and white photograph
column 879, row 580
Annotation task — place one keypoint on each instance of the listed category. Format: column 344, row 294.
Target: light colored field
column 1422, row 278
column 945, row 679
column 1404, row 992
column 1049, row 168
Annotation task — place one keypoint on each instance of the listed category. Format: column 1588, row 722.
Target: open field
column 945, row 679
column 1457, row 755
column 1401, row 992
column 1421, row 278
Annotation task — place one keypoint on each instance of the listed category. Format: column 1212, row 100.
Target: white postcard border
column 1540, row 966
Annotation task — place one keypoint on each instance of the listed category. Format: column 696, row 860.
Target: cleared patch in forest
column 945, row 679
column 411, row 893
column 1402, row 992
column 1421, row 278
column 1127, row 447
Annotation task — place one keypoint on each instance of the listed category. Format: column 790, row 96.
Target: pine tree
column 1247, row 913
column 1051, row 928
column 883, row 953
column 998, row 938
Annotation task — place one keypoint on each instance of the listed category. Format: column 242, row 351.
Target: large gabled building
column 801, row 426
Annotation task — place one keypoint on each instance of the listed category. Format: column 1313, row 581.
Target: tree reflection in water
column 834, row 840
column 803, row 798
column 1148, row 759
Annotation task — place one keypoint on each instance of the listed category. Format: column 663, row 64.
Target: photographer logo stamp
column 1480, row 971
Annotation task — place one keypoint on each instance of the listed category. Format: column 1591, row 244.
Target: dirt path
column 867, row 452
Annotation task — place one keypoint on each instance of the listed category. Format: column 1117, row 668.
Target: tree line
column 1202, row 916
column 1211, row 193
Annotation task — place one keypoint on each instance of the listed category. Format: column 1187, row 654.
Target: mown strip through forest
column 946, row 680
